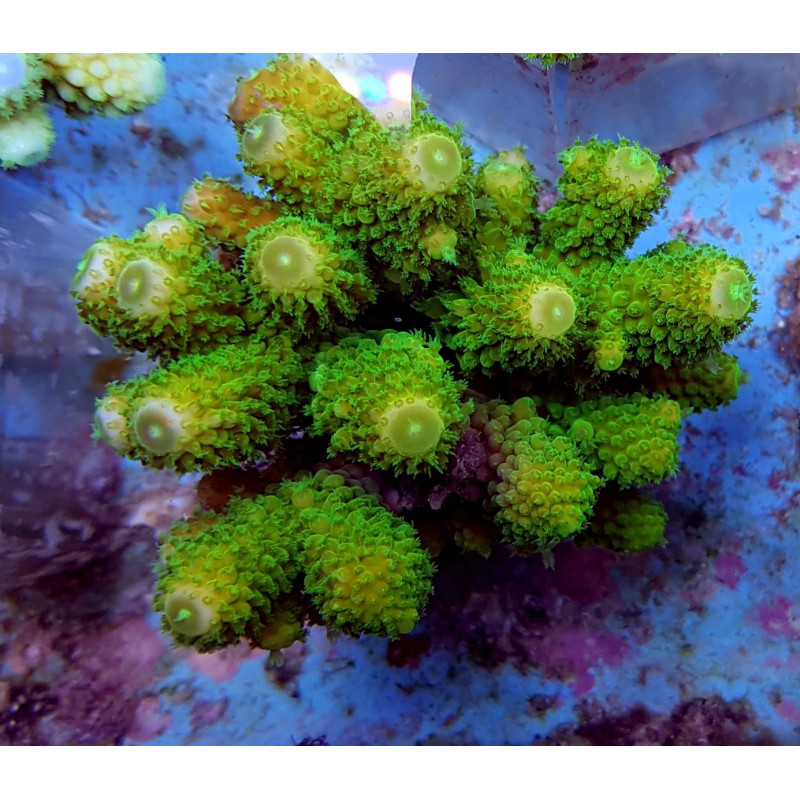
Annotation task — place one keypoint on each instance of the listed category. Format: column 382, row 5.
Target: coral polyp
column 302, row 272
column 109, row 84
column 387, row 319
column 392, row 402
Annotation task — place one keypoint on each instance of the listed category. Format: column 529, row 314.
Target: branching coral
column 392, row 402
column 110, row 84
column 516, row 361
column 205, row 411
column 231, row 575
column 160, row 292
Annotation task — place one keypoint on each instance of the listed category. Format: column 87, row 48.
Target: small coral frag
column 543, row 385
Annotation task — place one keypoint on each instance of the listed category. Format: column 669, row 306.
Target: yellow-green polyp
column 187, row 614
column 141, row 287
column 287, row 262
column 435, row 161
column 264, row 138
column 634, row 168
column 552, row 312
column 731, row 294
column 158, row 427
column 413, row 429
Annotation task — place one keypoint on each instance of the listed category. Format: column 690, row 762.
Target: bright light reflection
column 400, row 86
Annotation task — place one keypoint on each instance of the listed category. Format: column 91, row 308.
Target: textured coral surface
column 694, row 642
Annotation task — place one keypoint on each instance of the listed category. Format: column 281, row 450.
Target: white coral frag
column 26, row 138
column 110, row 83
column 20, row 82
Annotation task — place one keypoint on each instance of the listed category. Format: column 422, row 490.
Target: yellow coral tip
column 731, row 294
column 141, row 287
column 551, row 312
column 186, row 614
column 158, row 426
column 287, row 262
column 633, row 167
column 264, row 138
column 435, row 161
column 413, row 429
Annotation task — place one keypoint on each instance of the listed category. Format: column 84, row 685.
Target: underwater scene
column 398, row 399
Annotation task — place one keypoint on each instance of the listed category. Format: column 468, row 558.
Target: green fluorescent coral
column 231, row 575
column 522, row 315
column 305, row 277
column 507, row 209
column 223, row 574
column 610, row 191
column 205, row 411
column 627, row 520
column 630, row 440
column 708, row 384
column 160, row 292
column 365, row 569
column 392, row 403
column 393, row 351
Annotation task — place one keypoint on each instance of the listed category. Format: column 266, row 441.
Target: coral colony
column 109, row 84
column 392, row 349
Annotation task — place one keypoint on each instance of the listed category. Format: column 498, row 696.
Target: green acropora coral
column 544, row 489
column 404, row 193
column 26, row 131
column 411, row 199
column 305, row 276
column 630, row 440
column 159, row 291
column 230, row 575
column 205, row 411
column 506, row 210
column 391, row 351
column 365, row 569
column 707, row 384
column 521, row 315
column 25, row 137
column 627, row 521
column 609, row 193
column 674, row 304
column 223, row 575
column 392, row 402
